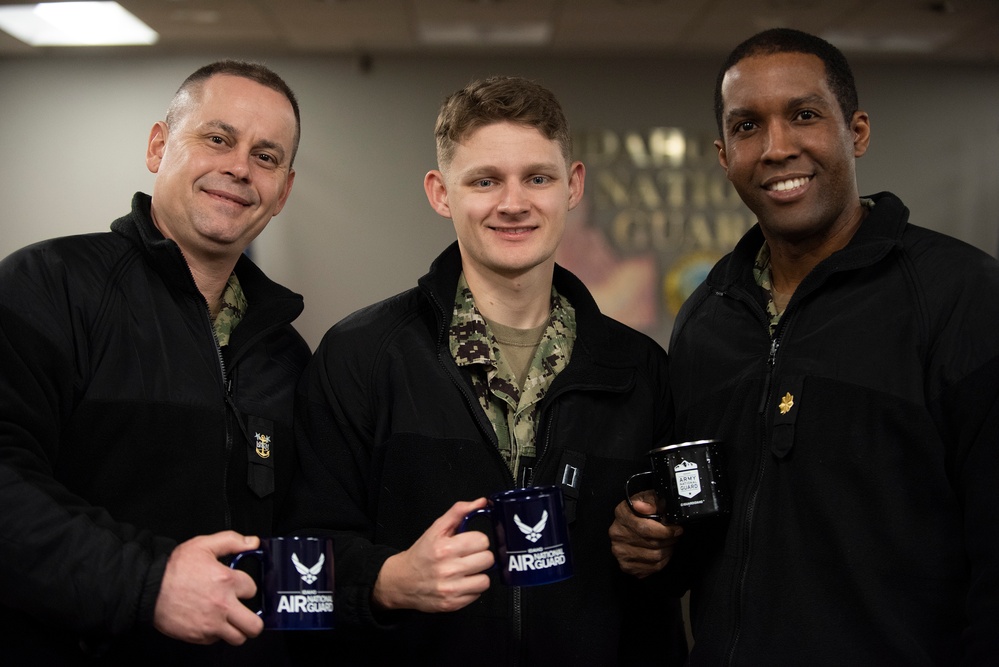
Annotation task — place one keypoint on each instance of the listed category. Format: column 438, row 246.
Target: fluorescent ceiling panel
column 75, row 24
column 492, row 34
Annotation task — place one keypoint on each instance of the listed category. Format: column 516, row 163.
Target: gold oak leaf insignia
column 786, row 403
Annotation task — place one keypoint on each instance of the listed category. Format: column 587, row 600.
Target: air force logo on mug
column 309, row 574
column 533, row 533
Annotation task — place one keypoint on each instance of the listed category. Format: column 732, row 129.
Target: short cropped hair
column 247, row 70
column 786, row 40
column 498, row 99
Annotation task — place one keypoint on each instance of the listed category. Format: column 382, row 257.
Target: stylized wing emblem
column 309, row 574
column 533, row 533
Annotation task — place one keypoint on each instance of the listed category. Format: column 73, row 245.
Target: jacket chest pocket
column 259, row 458
column 785, row 405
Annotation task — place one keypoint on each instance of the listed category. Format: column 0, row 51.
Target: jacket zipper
column 527, row 478
column 518, row 626
column 227, row 411
column 475, row 408
column 518, row 607
column 775, row 343
column 517, row 604
column 765, row 402
column 516, row 621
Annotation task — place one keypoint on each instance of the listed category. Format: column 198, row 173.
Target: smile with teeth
column 231, row 198
column 789, row 184
column 512, row 230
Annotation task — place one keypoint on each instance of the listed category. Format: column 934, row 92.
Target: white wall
column 358, row 228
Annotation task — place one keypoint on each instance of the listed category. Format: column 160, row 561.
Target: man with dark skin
column 848, row 361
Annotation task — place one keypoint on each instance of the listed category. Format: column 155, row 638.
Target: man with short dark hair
column 849, row 361
column 497, row 371
column 146, row 397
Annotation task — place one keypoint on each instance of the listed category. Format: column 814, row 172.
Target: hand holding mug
column 442, row 571
column 641, row 546
column 199, row 599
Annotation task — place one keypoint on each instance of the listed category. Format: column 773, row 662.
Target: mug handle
column 471, row 515
column 462, row 527
column 257, row 553
column 646, row 487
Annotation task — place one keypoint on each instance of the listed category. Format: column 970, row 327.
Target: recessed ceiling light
column 75, row 24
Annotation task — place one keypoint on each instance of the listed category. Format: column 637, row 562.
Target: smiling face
column 508, row 191
column 787, row 149
column 223, row 169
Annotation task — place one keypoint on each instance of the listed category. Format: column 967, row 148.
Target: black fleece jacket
column 122, row 434
column 393, row 436
column 862, row 442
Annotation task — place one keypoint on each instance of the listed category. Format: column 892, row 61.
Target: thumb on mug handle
column 648, row 486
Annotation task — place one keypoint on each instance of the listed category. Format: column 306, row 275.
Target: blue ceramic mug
column 531, row 536
column 295, row 584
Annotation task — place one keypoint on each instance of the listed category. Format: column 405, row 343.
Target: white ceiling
column 897, row 30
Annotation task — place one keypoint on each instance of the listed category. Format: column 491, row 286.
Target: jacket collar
column 161, row 253
column 880, row 233
column 598, row 359
column 441, row 281
column 269, row 302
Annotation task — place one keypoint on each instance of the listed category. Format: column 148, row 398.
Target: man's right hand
column 641, row 546
column 442, row 571
column 199, row 600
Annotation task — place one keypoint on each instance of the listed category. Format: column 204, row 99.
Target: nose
column 238, row 165
column 514, row 199
column 781, row 143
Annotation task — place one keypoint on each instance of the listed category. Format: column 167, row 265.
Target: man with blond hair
column 497, row 371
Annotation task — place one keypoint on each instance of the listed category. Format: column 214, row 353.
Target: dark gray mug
column 688, row 481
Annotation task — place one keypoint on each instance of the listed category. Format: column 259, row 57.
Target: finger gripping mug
column 688, row 481
column 532, row 539
column 296, row 582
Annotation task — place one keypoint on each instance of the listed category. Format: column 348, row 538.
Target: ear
column 436, row 189
column 722, row 158
column 860, row 125
column 156, row 146
column 577, row 182
column 287, row 191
